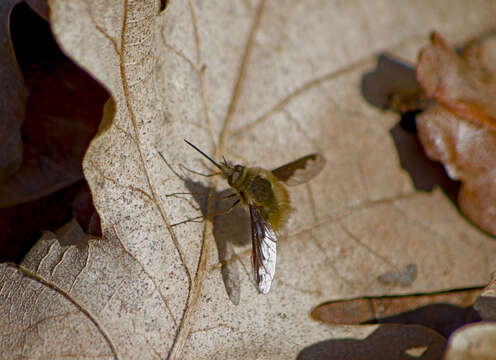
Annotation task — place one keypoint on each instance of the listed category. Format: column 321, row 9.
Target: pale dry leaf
column 267, row 82
column 472, row 342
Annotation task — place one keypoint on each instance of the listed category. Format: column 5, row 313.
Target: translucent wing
column 264, row 240
column 301, row 170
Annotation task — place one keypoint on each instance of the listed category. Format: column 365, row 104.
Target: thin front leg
column 199, row 173
column 209, row 215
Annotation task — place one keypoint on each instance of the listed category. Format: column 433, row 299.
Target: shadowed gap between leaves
column 231, row 228
column 441, row 317
column 395, row 342
column 45, row 67
column 418, row 333
column 163, row 5
column 392, row 77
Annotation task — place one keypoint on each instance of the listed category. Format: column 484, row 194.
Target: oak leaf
column 459, row 129
column 262, row 83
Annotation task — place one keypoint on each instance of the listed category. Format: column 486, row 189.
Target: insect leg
column 195, row 193
column 199, row 173
column 209, row 215
column 230, row 209
column 229, row 196
column 184, row 167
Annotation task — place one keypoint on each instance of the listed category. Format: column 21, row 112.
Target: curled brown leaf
column 459, row 129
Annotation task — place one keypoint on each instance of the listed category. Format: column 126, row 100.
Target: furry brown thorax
column 260, row 187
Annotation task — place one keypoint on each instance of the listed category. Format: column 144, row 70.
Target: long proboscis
column 201, row 152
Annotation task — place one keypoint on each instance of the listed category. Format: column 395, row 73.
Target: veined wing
column 264, row 241
column 300, row 171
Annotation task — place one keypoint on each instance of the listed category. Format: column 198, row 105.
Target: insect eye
column 238, row 169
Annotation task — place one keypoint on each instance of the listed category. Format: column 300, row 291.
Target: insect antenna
column 201, row 152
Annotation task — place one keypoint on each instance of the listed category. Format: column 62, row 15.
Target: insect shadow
column 231, row 226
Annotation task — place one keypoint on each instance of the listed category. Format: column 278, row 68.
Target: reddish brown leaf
column 457, row 84
column 442, row 312
column 460, row 128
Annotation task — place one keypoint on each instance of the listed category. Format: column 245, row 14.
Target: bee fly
column 264, row 193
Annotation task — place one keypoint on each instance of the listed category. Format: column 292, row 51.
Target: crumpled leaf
column 460, row 128
column 472, row 342
column 262, row 83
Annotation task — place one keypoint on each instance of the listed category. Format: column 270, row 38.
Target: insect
column 265, row 194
